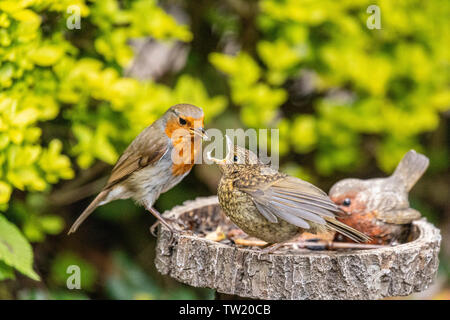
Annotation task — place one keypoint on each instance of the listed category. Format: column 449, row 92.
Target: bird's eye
column 235, row 158
column 347, row 202
column 182, row 121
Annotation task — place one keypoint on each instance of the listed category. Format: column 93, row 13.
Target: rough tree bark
column 351, row 274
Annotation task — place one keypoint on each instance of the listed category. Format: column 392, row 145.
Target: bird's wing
column 146, row 149
column 387, row 200
column 401, row 216
column 291, row 199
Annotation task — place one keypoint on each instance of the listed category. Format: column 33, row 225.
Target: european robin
column 271, row 205
column 379, row 207
column 155, row 161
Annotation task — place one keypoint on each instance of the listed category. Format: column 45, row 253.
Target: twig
column 253, row 242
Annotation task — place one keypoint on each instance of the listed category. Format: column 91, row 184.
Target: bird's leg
column 163, row 221
column 160, row 219
column 271, row 248
column 155, row 225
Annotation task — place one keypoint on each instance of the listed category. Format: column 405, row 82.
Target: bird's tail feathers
column 91, row 207
column 346, row 230
column 411, row 168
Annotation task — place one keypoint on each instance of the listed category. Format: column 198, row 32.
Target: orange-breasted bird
column 380, row 207
column 155, row 161
column 271, row 205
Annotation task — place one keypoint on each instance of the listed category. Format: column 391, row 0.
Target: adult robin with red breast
column 380, row 207
column 271, row 205
column 155, row 161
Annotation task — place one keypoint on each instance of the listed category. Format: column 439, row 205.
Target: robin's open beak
column 228, row 156
column 200, row 132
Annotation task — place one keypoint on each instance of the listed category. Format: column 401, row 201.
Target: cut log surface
column 292, row 274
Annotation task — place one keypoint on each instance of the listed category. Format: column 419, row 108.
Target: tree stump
column 293, row 274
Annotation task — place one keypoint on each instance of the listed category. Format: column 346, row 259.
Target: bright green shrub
column 394, row 80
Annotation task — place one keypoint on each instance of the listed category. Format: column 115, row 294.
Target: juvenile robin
column 379, row 207
column 271, row 205
column 155, row 161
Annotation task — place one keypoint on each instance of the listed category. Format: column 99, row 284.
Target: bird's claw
column 172, row 231
column 155, row 225
column 153, row 228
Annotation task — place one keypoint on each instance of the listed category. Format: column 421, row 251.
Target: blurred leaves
column 258, row 100
column 40, row 294
column 37, row 226
column 129, row 281
column 191, row 89
column 366, row 81
column 6, row 272
column 15, row 251
column 34, row 219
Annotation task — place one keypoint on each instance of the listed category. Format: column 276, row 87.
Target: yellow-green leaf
column 15, row 251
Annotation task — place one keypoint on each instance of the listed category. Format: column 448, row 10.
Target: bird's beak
column 200, row 132
column 228, row 156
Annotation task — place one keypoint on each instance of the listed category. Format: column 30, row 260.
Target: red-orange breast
column 155, row 161
column 380, row 207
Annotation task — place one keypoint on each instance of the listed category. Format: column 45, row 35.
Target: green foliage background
column 348, row 100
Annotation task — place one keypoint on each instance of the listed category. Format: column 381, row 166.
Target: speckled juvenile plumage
column 273, row 206
column 239, row 206
column 379, row 207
